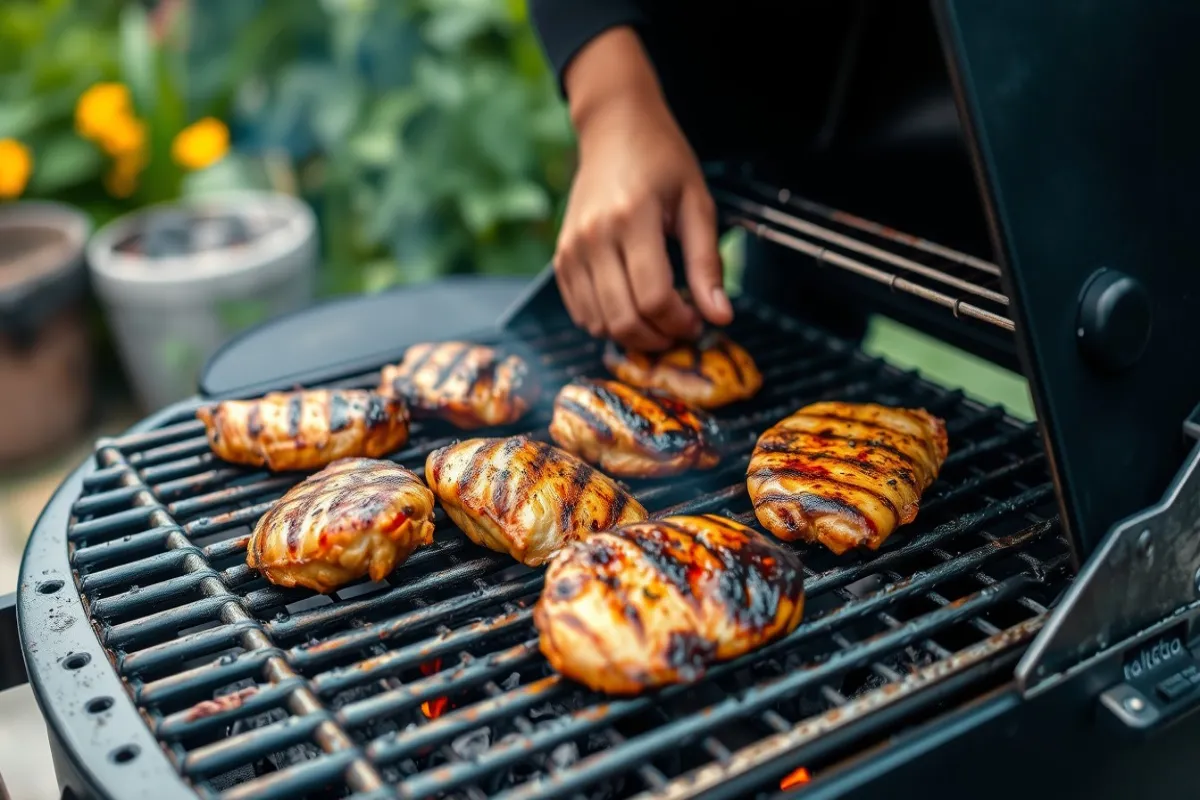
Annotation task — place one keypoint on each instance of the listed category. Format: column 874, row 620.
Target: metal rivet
column 1196, row 578
column 1144, row 544
column 1134, row 705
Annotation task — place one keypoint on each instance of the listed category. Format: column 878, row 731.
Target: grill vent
column 430, row 684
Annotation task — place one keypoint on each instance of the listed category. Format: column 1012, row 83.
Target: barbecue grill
column 1030, row 632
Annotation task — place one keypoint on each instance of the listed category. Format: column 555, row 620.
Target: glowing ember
column 432, row 709
column 795, row 778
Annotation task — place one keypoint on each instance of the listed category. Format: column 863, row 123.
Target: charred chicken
column 657, row 602
column 356, row 517
column 469, row 385
column 712, row 372
column 305, row 429
column 524, row 497
column 632, row 433
column 845, row 474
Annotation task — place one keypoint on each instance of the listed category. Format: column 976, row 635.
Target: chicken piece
column 305, row 429
column 356, row 517
column 632, row 433
column 469, row 385
column 845, row 474
column 524, row 497
column 713, row 372
column 658, row 602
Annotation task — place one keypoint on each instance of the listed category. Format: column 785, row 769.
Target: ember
column 795, row 778
column 432, row 709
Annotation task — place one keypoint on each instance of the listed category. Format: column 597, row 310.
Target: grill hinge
column 1146, row 571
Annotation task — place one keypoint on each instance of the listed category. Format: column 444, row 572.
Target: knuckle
column 653, row 301
column 625, row 327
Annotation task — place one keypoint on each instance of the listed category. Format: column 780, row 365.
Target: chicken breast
column 524, row 497
column 305, row 429
column 713, row 372
column 632, row 433
column 845, row 474
column 469, row 385
column 658, row 602
column 356, row 517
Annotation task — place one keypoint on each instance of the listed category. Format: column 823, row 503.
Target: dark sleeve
column 565, row 26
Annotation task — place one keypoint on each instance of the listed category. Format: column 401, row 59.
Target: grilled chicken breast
column 632, row 433
column 306, row 429
column 469, row 385
column 713, row 372
column 525, row 497
column 356, row 517
column 657, row 602
column 845, row 474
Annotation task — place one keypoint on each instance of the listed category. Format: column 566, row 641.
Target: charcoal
column 511, row 682
column 564, row 755
column 472, row 745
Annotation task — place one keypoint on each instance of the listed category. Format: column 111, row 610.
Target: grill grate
column 260, row 691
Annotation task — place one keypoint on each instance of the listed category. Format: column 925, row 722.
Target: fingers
column 697, row 231
column 615, row 297
column 648, row 271
column 575, row 286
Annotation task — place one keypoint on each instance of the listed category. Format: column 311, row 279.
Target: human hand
column 638, row 181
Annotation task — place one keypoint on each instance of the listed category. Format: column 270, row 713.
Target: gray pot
column 171, row 309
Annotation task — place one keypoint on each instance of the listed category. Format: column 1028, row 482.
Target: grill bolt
column 1134, row 705
column 1145, row 545
column 1196, row 579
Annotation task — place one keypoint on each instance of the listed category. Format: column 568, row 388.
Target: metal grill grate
column 259, row 691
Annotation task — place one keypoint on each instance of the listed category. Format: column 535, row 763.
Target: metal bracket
column 12, row 663
column 1146, row 569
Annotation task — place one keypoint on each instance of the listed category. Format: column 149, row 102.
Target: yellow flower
column 16, row 164
column 121, row 180
column 201, row 144
column 124, row 134
column 99, row 106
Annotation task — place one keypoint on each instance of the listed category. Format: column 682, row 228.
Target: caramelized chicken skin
column 524, row 497
column 469, row 385
column 356, row 517
column 632, row 433
column 845, row 474
column 713, row 372
column 305, row 429
column 657, row 602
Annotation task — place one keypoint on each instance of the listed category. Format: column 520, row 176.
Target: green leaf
column 19, row 118
column 64, row 160
column 233, row 172
column 137, row 56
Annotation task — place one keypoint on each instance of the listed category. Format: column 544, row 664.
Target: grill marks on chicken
column 356, row 517
column 631, row 433
column 524, row 497
column 305, row 429
column 657, row 602
column 713, row 372
column 845, row 474
column 469, row 385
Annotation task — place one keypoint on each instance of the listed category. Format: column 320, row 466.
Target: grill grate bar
column 360, row 775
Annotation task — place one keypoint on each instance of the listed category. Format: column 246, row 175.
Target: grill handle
column 12, row 663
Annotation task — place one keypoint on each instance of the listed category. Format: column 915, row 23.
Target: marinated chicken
column 632, row 433
column 713, row 372
column 524, row 497
column 658, row 602
column 356, row 517
column 845, row 474
column 469, row 385
column 305, row 429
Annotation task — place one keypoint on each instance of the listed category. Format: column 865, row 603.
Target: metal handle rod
column 786, row 197
column 817, row 232
column 959, row 308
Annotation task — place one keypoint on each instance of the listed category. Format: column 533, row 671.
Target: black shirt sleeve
column 565, row 26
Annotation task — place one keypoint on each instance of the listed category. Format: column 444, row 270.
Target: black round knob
column 1114, row 320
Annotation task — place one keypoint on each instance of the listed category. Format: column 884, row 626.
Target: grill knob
column 1114, row 320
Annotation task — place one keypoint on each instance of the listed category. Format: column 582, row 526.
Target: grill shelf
column 322, row 696
column 967, row 286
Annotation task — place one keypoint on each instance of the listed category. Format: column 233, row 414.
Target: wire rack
column 430, row 683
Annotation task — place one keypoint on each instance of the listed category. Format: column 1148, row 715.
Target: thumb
column 697, row 231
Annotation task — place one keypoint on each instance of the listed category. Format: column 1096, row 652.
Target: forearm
column 611, row 69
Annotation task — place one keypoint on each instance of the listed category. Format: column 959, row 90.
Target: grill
column 1032, row 631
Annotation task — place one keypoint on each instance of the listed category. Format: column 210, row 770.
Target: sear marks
column 657, row 602
column 305, row 429
column 632, row 433
column 524, row 497
column 356, row 517
column 712, row 372
column 469, row 385
column 845, row 474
